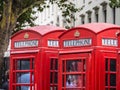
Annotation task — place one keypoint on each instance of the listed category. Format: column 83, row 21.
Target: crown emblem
column 26, row 36
column 77, row 34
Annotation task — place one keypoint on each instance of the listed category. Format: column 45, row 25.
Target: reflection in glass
column 25, row 78
column 84, row 65
column 23, row 64
column 53, row 64
column 74, row 81
column 74, row 65
column 55, row 88
column 23, row 87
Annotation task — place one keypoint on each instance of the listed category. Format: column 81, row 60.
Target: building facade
column 90, row 11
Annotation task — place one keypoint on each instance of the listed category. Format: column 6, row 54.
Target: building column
column 117, row 16
column 109, row 14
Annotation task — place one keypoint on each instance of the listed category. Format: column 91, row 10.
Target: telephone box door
column 22, row 70
column 74, row 72
column 110, row 62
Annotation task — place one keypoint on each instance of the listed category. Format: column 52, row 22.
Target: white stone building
column 90, row 11
column 98, row 11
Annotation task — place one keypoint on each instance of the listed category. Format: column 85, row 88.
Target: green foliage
column 26, row 19
column 114, row 3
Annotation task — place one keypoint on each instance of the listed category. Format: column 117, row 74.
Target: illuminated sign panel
column 79, row 42
column 109, row 42
column 53, row 43
column 29, row 43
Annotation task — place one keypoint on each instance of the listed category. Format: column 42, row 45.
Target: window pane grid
column 74, row 75
column 53, row 74
column 23, row 73
column 110, row 76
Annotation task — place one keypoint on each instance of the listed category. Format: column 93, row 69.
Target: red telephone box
column 88, row 58
column 31, row 52
column 118, row 64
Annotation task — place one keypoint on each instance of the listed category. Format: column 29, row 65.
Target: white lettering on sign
column 29, row 43
column 109, row 42
column 53, row 43
column 79, row 42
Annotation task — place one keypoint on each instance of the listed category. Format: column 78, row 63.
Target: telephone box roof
column 98, row 27
column 41, row 29
column 44, row 29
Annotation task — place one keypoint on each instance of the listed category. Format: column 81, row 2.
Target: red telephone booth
column 88, row 58
column 118, row 64
column 31, row 52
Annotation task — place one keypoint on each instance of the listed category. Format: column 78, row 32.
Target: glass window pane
column 51, row 77
column 112, row 88
column 51, row 88
column 51, row 64
column 112, row 65
column 74, row 65
column 55, row 88
column 63, row 79
column 74, row 81
column 56, row 64
column 106, row 80
column 112, row 79
column 84, row 80
column 23, row 87
column 63, row 66
column 56, row 77
column 24, row 78
column 84, row 65
column 23, row 64
column 33, row 63
column 106, row 64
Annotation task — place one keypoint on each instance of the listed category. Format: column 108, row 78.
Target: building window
column 83, row 1
column 96, row 9
column 105, row 15
column 104, row 5
column 114, row 11
column 89, row 16
column 58, row 21
column 96, row 15
column 82, row 19
column 89, row 19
